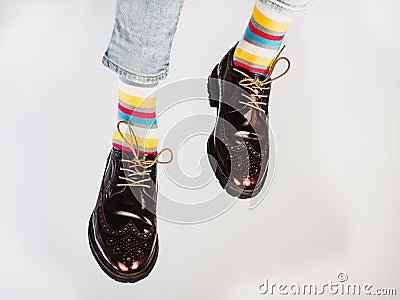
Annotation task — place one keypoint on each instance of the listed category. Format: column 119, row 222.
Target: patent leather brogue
column 123, row 226
column 238, row 147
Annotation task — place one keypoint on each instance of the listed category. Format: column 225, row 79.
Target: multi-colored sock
column 262, row 40
column 139, row 110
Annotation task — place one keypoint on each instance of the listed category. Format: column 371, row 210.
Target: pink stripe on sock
column 136, row 113
column 127, row 149
column 251, row 69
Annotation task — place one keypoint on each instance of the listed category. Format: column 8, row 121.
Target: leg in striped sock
column 139, row 110
column 262, row 40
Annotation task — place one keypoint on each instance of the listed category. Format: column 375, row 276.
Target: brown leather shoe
column 123, row 226
column 238, row 147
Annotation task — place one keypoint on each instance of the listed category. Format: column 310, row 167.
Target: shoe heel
column 213, row 88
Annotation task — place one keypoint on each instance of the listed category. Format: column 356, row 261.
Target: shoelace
column 257, row 86
column 138, row 167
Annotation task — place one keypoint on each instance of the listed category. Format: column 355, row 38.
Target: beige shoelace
column 257, row 86
column 138, row 167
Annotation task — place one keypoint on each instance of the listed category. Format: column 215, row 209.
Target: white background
column 334, row 203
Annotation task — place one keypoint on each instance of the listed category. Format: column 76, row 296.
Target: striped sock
column 262, row 40
column 140, row 113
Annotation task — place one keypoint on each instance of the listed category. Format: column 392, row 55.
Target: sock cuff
column 285, row 9
column 143, row 85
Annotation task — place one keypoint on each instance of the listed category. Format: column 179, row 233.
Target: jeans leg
column 141, row 42
column 290, row 8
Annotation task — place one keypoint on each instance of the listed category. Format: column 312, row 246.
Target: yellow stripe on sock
column 142, row 142
column 254, row 59
column 266, row 22
column 137, row 101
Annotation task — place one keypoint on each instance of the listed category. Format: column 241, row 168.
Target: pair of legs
column 140, row 47
column 123, row 227
column 139, row 52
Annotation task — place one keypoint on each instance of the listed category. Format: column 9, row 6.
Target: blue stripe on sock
column 262, row 40
column 129, row 118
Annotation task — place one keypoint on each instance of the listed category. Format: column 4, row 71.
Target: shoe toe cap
column 132, row 261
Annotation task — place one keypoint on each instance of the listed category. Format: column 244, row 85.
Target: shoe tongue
column 251, row 74
column 138, row 155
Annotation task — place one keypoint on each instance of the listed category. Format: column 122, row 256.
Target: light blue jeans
column 140, row 46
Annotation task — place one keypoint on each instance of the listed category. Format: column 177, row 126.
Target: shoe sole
column 114, row 274
column 213, row 88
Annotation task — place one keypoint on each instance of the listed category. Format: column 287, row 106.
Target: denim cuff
column 286, row 8
column 131, row 76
